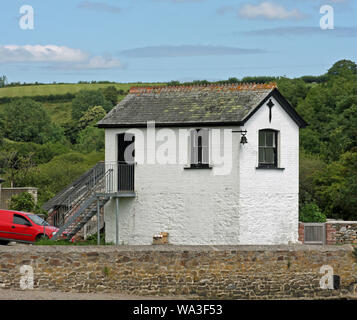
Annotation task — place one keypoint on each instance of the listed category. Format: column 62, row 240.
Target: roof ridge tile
column 202, row 87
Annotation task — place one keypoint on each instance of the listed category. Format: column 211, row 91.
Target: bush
column 310, row 212
column 22, row 202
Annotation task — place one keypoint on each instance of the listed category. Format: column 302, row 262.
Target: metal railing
column 104, row 178
column 103, row 186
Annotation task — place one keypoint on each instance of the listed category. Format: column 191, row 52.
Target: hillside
column 60, row 89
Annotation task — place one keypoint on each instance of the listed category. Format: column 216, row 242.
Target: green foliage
column 294, row 90
column 26, row 120
column 310, row 212
column 336, row 187
column 111, row 94
column 310, row 165
column 90, row 139
column 85, row 100
column 62, row 170
column 3, row 81
column 91, row 241
column 344, row 68
column 91, row 116
column 22, row 202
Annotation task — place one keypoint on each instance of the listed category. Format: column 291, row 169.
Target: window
column 20, row 220
column 268, row 151
column 199, row 148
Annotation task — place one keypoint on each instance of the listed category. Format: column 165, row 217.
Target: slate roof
column 185, row 105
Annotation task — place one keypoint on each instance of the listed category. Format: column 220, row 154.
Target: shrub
column 22, row 202
column 310, row 212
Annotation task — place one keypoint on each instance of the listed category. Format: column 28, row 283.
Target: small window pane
column 261, row 138
column 261, row 155
column 270, row 139
column 269, row 155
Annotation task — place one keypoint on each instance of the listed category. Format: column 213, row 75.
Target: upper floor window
column 199, row 148
column 268, row 148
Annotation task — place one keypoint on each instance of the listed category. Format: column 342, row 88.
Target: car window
column 19, row 220
column 38, row 220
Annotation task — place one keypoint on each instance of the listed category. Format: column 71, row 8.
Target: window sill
column 198, row 167
column 269, row 168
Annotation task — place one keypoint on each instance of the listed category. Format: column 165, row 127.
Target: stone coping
column 341, row 222
column 20, row 188
column 171, row 248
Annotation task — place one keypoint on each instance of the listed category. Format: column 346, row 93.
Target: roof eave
column 290, row 110
column 171, row 124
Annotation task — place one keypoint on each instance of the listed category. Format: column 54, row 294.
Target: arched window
column 268, row 148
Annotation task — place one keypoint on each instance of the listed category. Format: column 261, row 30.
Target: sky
column 164, row 40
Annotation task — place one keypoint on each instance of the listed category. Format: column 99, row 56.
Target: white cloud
column 187, row 51
column 38, row 53
column 268, row 10
column 55, row 56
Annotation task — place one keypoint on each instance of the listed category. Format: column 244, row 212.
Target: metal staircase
column 85, row 199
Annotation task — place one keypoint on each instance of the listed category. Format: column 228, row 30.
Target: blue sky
column 163, row 40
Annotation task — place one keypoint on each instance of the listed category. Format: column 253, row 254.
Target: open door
column 126, row 162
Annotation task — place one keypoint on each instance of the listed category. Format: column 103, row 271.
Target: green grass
column 91, row 241
column 48, row 89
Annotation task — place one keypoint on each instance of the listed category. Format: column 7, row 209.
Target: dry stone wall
column 229, row 272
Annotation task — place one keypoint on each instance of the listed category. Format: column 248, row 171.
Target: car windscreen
column 37, row 220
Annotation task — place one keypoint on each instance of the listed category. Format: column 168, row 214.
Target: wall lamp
column 243, row 138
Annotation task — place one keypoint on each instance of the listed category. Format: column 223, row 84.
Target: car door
column 21, row 230
column 5, row 225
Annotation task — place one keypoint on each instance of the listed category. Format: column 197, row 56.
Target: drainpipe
column 98, row 222
column 117, row 221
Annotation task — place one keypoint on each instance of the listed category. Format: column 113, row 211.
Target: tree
column 3, row 81
column 26, row 120
column 336, row 187
column 91, row 116
column 344, row 68
column 15, row 166
column 294, row 90
column 90, row 139
column 86, row 99
column 111, row 94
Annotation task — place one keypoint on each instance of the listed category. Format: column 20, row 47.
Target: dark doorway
column 126, row 162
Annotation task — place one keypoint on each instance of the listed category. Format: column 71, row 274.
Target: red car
column 23, row 227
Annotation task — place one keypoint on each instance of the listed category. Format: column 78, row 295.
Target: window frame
column 27, row 223
column 275, row 148
column 201, row 163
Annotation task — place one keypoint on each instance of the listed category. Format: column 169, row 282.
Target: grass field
column 47, row 89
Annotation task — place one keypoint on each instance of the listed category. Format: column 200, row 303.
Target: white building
column 177, row 182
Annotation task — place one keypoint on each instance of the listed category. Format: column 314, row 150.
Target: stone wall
column 230, row 272
column 337, row 232
column 341, row 232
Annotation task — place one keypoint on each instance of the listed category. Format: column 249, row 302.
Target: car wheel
column 4, row 242
column 41, row 236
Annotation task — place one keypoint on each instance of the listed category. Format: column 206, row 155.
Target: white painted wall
column 268, row 199
column 248, row 206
